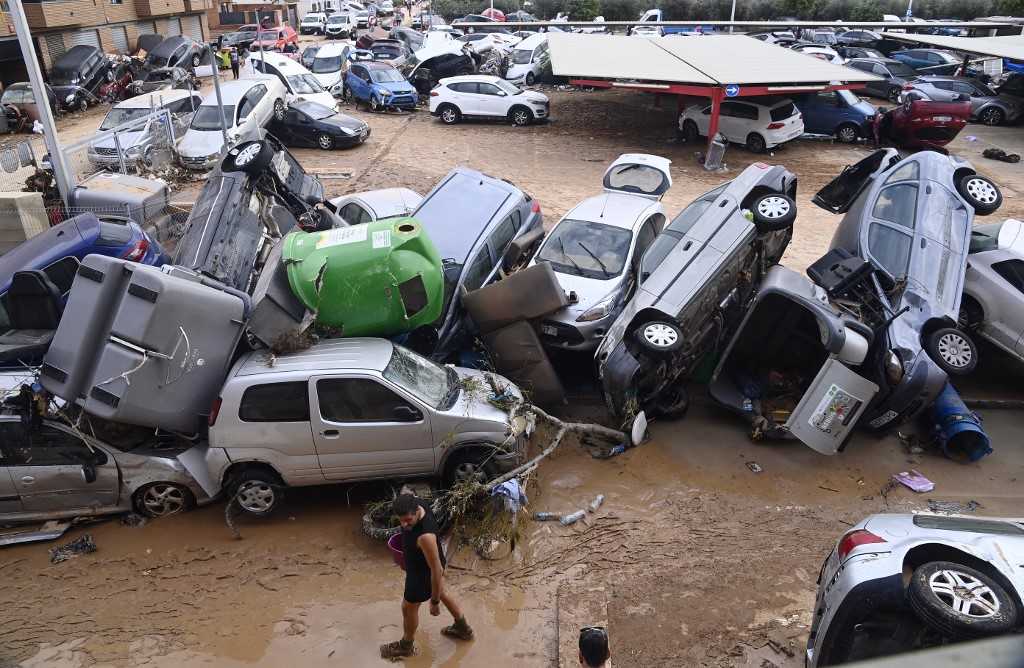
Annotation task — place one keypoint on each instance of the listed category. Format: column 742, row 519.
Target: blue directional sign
column 732, row 90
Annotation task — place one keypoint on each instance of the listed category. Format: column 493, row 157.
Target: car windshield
column 206, row 117
column 522, row 56
column 326, row 64
column 159, row 75
column 901, row 70
column 588, row 249
column 117, row 116
column 848, row 97
column 428, row 381
column 267, row 36
column 871, row 53
column 304, row 84
column 338, row 18
column 511, row 89
column 985, row 90
column 388, row 75
column 316, row 111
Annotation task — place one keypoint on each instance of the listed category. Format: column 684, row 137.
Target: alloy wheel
column 991, row 117
column 847, row 134
column 965, row 594
column 255, row 496
column 520, row 117
column 448, row 115
column 773, row 207
column 981, row 190
column 247, row 155
column 955, row 350
column 163, row 499
column 660, row 335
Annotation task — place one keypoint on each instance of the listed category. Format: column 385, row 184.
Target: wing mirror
column 406, row 414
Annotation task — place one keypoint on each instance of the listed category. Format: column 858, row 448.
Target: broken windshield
column 584, row 248
column 415, row 373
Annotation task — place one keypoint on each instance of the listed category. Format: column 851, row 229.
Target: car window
column 867, row 67
column 504, row 233
column 357, row 400
column 257, row 94
column 1012, row 271
column 478, row 271
column 782, row 112
column 46, row 446
column 963, row 87
column 354, row 214
column 488, row 89
column 644, row 238
column 880, row 70
column 890, row 248
column 275, row 402
column 907, row 172
column 897, row 204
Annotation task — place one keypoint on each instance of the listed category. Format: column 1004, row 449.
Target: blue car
column 379, row 86
column 928, row 61
column 840, row 114
column 58, row 250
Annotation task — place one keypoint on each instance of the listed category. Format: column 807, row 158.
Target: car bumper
column 918, row 389
column 582, row 336
column 541, row 111
column 619, row 376
column 348, row 141
column 198, row 162
column 779, row 137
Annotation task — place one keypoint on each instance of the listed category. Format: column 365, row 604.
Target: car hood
column 864, row 108
column 517, row 71
column 200, row 143
column 344, row 122
column 534, row 96
column 473, row 410
column 328, row 79
column 397, row 87
column 588, row 292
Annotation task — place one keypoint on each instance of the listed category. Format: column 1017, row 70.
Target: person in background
column 234, row 61
column 594, row 647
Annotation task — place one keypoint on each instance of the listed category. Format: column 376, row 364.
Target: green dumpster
column 375, row 279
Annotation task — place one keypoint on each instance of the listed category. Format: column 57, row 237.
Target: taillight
column 535, row 207
column 214, row 412
column 776, row 126
column 136, row 252
column 855, row 539
column 434, row 93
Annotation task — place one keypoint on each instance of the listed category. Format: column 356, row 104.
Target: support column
column 717, row 94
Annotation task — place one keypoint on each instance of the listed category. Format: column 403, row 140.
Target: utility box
column 22, row 217
column 143, row 200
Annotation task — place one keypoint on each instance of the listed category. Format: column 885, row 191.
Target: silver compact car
column 595, row 249
column 993, row 301
column 52, row 472
column 896, row 583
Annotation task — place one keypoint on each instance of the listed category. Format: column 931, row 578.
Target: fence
column 17, row 164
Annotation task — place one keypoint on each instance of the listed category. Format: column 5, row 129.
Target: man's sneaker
column 460, row 630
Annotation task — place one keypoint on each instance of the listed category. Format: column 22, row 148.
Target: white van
column 312, row 23
column 330, row 65
column 529, row 58
column 298, row 81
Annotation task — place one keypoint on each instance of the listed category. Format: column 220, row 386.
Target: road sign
column 732, row 90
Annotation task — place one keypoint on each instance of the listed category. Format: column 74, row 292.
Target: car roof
column 329, row 355
column 488, row 78
column 532, row 42
column 768, row 102
column 376, row 65
column 615, row 209
column 331, row 50
column 233, row 91
column 155, row 99
column 281, row 62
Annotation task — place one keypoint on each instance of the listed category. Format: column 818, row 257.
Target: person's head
column 593, row 646
column 406, row 508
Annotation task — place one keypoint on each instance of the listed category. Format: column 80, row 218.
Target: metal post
column 716, row 108
column 910, row 6
column 732, row 15
column 120, row 154
column 220, row 100
column 65, row 178
column 259, row 29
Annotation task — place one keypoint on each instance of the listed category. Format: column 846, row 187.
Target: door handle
column 27, row 479
column 330, row 433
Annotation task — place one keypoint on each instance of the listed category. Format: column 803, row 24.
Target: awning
column 714, row 60
column 1001, row 46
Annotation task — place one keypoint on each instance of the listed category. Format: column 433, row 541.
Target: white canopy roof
column 1001, row 46
column 704, row 60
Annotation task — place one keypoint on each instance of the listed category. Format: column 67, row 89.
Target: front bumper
column 541, row 111
column 198, row 162
column 582, row 336
column 347, row 141
column 918, row 389
column 619, row 375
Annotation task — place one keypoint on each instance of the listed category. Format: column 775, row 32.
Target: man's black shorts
column 417, row 587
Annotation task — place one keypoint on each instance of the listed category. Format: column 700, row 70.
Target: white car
column 340, row 26
column 330, row 65
column 595, row 249
column 387, row 7
column 312, row 23
column 993, row 299
column 760, row 125
column 147, row 137
column 483, row 96
column 648, row 31
column 529, row 58
column 300, row 83
column 479, row 42
column 826, row 53
column 249, row 104
column 371, row 205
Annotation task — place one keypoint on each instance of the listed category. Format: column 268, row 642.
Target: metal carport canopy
column 714, row 66
column 1001, row 46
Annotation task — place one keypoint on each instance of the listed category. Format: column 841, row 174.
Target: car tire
column 937, row 595
column 530, row 79
column 245, row 158
column 992, row 116
column 325, row 141
column 756, row 143
column 161, row 499
column 374, row 104
column 257, row 491
column 690, row 131
column 449, row 114
column 279, row 110
column 894, row 94
column 983, row 195
column 773, row 211
column 197, row 60
column 847, row 133
column 953, row 350
column 520, row 116
column 83, row 105
column 110, row 75
column 471, row 463
column 659, row 337
column 671, row 403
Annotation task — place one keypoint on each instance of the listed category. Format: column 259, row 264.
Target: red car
column 922, row 124
column 281, row 38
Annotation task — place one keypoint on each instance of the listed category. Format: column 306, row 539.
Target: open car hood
column 840, row 193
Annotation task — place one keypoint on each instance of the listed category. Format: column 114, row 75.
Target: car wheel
column 196, row 60
column 325, row 141
column 847, row 134
column 671, row 403
column 952, row 350
column 279, row 110
column 473, row 464
column 690, row 131
column 980, row 193
column 161, row 499
column 756, row 143
column 960, row 602
column 659, row 337
column 520, row 116
column 110, row 75
column 992, row 116
column 257, row 492
column 251, row 157
column 83, row 105
column 374, row 103
column 450, row 114
column 530, row 79
column 773, row 211
column 894, row 94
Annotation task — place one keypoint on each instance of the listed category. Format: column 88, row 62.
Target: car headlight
column 70, row 98
column 893, row 368
column 599, row 310
column 132, row 152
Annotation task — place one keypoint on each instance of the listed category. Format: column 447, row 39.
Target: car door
column 359, row 82
column 463, row 95
column 1008, row 291
column 889, row 236
column 262, row 105
column 49, row 467
column 814, row 107
column 491, row 100
column 10, row 499
column 364, row 427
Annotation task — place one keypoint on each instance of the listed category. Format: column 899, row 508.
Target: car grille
column 100, row 150
column 194, row 161
column 563, row 333
column 401, row 99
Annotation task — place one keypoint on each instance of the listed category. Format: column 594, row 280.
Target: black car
column 308, row 124
column 177, row 51
column 894, row 76
column 165, row 77
column 850, row 52
column 77, row 75
column 863, row 38
column 412, row 38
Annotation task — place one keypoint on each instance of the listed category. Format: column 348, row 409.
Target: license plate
column 549, row 330
column 942, row 119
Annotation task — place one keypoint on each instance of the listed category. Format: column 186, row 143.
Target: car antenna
column 605, row 204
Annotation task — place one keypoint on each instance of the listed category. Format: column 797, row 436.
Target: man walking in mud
column 424, row 577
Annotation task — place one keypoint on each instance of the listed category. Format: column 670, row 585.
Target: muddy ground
column 693, row 559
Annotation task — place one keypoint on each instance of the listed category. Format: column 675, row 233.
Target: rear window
column 783, row 111
column 967, row 524
column 275, row 402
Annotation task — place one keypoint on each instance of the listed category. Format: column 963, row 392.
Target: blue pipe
column 957, row 429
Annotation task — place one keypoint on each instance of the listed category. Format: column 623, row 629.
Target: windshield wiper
column 596, row 258
column 561, row 247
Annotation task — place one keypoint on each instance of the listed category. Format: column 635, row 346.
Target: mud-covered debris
column 1001, row 155
column 81, row 545
column 596, row 503
column 572, row 518
column 953, row 507
column 754, row 466
column 134, row 520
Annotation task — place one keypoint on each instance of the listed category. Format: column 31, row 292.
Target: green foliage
column 583, row 10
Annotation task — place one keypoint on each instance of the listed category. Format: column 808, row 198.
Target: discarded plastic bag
column 914, row 480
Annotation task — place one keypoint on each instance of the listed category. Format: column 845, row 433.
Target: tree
column 583, row 10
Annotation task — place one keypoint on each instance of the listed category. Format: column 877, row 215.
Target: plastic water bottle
column 596, row 503
column 546, row 517
column 572, row 518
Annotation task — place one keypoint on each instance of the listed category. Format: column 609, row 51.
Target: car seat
column 34, row 307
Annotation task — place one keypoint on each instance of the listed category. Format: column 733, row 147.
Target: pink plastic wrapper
column 913, row 479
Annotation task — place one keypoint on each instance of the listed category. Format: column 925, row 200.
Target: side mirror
column 502, row 93
column 89, row 472
column 406, row 414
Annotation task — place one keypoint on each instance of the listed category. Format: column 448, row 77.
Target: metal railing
column 17, row 164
